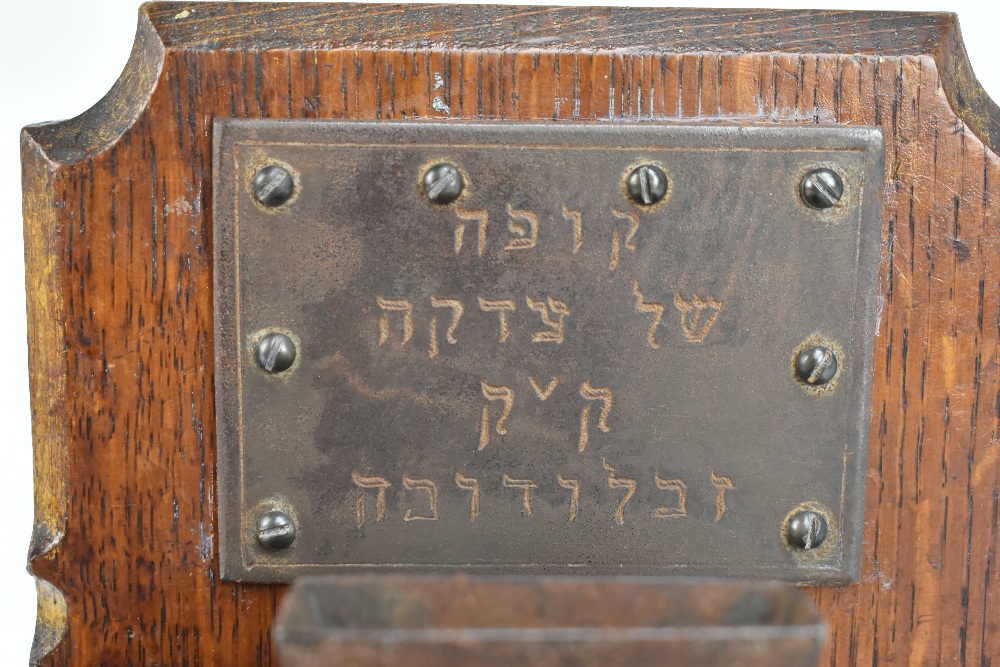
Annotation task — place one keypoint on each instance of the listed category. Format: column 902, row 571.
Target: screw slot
column 443, row 183
column 647, row 185
column 275, row 353
column 806, row 530
column 275, row 530
column 273, row 186
column 822, row 188
column 816, row 365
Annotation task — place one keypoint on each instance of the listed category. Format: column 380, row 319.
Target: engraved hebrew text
column 629, row 244
column 421, row 490
column 616, row 482
column 651, row 308
column 399, row 305
column 572, row 485
column 525, row 238
column 457, row 310
column 554, row 332
column 543, row 394
column 469, row 484
column 481, row 218
column 370, row 482
column 577, row 218
column 525, row 485
column 495, row 393
column 592, row 393
column 428, row 486
column 723, row 484
column 501, row 307
column 697, row 315
column 680, row 488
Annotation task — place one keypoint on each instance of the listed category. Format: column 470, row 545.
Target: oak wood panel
column 119, row 254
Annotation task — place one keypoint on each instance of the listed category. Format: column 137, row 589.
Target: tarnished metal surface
column 423, row 621
column 545, row 375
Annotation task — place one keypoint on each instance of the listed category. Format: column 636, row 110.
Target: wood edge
column 93, row 131
column 967, row 97
column 50, row 623
column 212, row 25
column 47, row 370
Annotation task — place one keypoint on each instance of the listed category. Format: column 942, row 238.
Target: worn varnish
column 119, row 253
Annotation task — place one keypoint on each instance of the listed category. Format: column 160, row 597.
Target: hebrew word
column 528, row 487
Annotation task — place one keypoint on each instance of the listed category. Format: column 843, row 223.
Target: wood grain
column 119, row 254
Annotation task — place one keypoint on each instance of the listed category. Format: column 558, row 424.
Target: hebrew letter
column 695, row 322
column 498, row 393
column 469, row 484
column 499, row 306
column 574, row 499
column 652, row 308
column 577, row 218
column 554, row 334
column 366, row 482
column 544, row 394
column 526, row 484
column 680, row 487
column 616, row 482
column 524, row 238
column 722, row 483
column 430, row 487
column 629, row 237
column 481, row 218
column 383, row 324
column 457, row 310
column 591, row 393
column 434, row 349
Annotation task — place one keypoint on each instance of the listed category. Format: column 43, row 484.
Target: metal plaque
column 524, row 348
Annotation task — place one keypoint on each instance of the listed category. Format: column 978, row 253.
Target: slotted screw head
column 647, row 184
column 273, row 186
column 443, row 183
column 275, row 530
column 822, row 188
column 806, row 530
column 816, row 365
column 275, row 353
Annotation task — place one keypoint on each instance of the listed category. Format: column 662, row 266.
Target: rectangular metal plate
column 543, row 376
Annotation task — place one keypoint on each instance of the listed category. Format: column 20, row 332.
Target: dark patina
column 541, row 373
